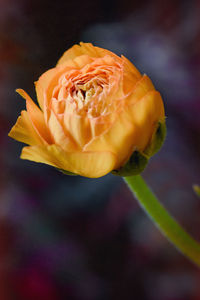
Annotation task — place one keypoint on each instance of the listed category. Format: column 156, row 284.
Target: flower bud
column 97, row 114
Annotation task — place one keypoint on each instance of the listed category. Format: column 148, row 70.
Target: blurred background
column 74, row 238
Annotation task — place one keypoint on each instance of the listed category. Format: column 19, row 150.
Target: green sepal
column 67, row 172
column 157, row 139
column 135, row 165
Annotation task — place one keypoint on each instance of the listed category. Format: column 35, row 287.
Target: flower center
column 87, row 93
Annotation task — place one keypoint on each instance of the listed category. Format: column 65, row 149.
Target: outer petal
column 145, row 114
column 88, row 164
column 79, row 127
column 71, row 53
column 119, row 139
column 23, row 131
column 60, row 136
column 141, row 88
column 37, row 118
column 102, row 124
column 129, row 82
column 85, row 48
column 132, row 129
column 130, row 67
column 42, row 84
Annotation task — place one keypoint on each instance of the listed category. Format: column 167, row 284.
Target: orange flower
column 96, row 109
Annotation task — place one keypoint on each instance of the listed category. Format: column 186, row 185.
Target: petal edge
column 88, row 164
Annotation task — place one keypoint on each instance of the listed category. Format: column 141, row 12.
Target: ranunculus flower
column 96, row 110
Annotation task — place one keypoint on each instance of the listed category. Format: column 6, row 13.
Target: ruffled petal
column 49, row 80
column 88, row 164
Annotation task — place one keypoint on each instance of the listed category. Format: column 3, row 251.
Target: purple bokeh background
column 87, row 239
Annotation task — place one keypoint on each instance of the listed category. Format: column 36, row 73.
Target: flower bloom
column 95, row 110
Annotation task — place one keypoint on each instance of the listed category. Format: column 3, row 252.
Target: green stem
column 167, row 225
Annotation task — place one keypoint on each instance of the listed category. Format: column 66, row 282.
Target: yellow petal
column 85, row 48
column 132, row 129
column 141, row 88
column 60, row 137
column 130, row 67
column 119, row 139
column 46, row 83
column 129, row 82
column 80, row 61
column 88, row 164
column 23, row 131
column 101, row 124
column 71, row 53
column 36, row 117
column 79, row 128
column 145, row 114
column 41, row 85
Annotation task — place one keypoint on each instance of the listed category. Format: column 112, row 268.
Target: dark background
column 87, row 239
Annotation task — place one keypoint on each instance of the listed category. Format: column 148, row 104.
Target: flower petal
column 49, row 80
column 145, row 114
column 23, row 131
column 119, row 139
column 101, row 124
column 79, row 127
column 41, row 85
column 46, row 83
column 130, row 67
column 85, row 48
column 141, row 88
column 129, row 82
column 88, row 164
column 132, row 130
column 36, row 117
column 71, row 53
column 59, row 135
column 46, row 80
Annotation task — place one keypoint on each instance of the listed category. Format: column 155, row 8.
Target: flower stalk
column 162, row 219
